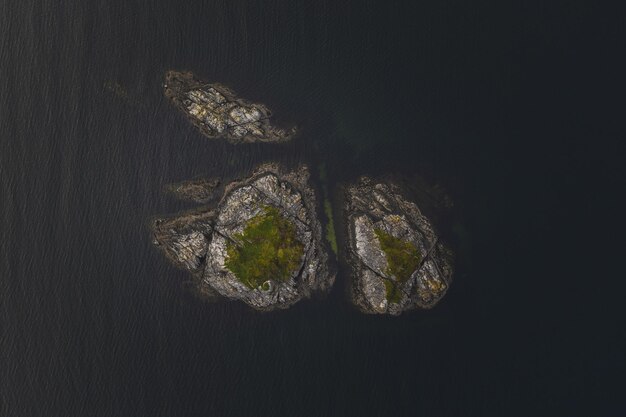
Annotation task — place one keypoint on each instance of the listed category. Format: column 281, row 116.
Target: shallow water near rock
column 95, row 322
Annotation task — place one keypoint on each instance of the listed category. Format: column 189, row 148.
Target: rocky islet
column 396, row 259
column 217, row 111
column 200, row 241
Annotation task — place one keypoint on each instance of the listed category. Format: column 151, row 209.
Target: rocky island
column 262, row 243
column 395, row 256
column 218, row 112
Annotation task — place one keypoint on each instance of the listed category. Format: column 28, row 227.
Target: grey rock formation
column 197, row 241
column 217, row 112
column 371, row 206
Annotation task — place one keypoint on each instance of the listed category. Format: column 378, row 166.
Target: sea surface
column 511, row 108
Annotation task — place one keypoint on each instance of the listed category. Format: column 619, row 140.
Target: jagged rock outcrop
column 388, row 279
column 199, row 241
column 218, row 112
column 184, row 239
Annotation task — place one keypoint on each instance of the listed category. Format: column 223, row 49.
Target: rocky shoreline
column 396, row 259
column 217, row 111
column 201, row 241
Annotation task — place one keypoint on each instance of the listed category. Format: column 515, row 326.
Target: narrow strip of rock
column 199, row 191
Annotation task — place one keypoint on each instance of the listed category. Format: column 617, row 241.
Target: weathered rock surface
column 184, row 239
column 371, row 206
column 218, row 112
column 198, row 241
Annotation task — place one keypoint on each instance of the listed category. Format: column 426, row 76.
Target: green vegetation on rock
column 268, row 249
column 402, row 259
column 331, row 237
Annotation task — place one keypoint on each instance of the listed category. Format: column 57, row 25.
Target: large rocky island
column 262, row 243
column 395, row 256
column 218, row 112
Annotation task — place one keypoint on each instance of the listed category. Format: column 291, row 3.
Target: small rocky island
column 396, row 258
column 218, row 112
column 262, row 243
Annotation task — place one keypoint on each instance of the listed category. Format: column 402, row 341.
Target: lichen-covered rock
column 218, row 112
column 201, row 246
column 378, row 209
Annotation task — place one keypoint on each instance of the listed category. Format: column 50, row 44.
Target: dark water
column 514, row 109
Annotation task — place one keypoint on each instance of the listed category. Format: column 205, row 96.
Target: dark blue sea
column 514, row 109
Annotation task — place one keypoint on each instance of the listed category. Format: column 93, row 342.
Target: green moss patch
column 331, row 237
column 402, row 259
column 268, row 249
